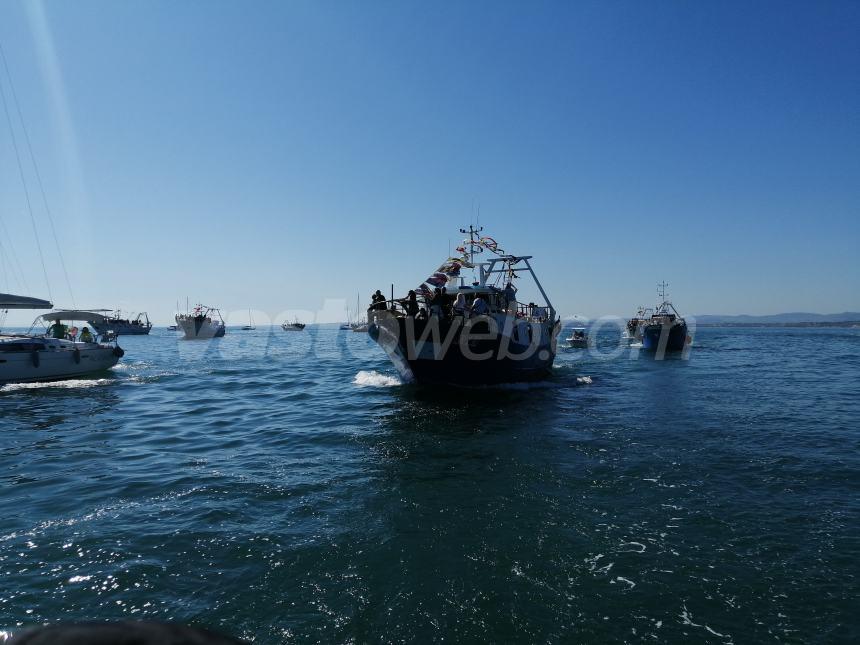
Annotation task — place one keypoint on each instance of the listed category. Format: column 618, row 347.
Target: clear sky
column 274, row 155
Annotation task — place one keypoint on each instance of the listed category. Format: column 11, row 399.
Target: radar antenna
column 661, row 290
column 474, row 241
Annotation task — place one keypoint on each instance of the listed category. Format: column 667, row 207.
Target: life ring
column 34, row 356
column 77, row 356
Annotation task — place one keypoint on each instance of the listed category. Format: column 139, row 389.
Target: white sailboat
column 54, row 355
column 250, row 326
column 360, row 323
column 57, row 353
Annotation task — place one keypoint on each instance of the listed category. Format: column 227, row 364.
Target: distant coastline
column 793, row 319
column 846, row 323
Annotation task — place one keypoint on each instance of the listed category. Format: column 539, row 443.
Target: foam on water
column 66, row 384
column 373, row 378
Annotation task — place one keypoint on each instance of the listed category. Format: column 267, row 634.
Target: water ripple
column 290, row 486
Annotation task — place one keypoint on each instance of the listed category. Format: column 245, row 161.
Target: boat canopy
column 73, row 314
column 8, row 301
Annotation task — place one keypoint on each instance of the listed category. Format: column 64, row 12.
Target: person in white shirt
column 460, row 305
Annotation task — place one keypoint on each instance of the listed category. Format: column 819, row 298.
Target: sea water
column 280, row 486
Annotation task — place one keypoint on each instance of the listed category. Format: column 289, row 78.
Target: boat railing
column 531, row 312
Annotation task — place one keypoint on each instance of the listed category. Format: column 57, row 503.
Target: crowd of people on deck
column 442, row 305
column 125, row 322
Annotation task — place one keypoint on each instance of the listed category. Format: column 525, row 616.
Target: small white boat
column 202, row 323
column 578, row 337
column 345, row 326
column 360, row 327
column 293, row 326
column 54, row 355
column 172, row 328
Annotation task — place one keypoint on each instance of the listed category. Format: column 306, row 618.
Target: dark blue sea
column 287, row 487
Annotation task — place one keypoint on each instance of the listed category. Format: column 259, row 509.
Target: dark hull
column 501, row 361
column 675, row 337
column 121, row 330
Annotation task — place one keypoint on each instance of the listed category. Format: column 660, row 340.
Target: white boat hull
column 204, row 330
column 56, row 364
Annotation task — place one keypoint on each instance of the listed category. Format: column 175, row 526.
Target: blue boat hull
column 675, row 341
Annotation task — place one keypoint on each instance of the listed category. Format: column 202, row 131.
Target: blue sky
column 278, row 155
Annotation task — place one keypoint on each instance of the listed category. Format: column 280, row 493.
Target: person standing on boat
column 58, row 330
column 378, row 301
column 412, row 304
column 511, row 298
column 435, row 303
column 86, row 335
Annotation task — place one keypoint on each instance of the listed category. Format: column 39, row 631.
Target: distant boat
column 360, row 327
column 202, row 323
column 57, row 354
column 293, row 326
column 661, row 329
column 250, row 326
column 120, row 326
column 172, row 328
column 345, row 326
column 578, row 338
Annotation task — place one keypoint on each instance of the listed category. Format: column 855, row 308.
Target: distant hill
column 779, row 319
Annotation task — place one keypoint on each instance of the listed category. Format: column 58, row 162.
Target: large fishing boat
column 58, row 353
column 202, row 323
column 661, row 329
column 121, row 325
column 452, row 330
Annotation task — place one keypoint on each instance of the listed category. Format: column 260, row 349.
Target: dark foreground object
column 124, row 633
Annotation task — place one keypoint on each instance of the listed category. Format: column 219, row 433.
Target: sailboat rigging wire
column 26, row 191
column 38, row 175
column 10, row 257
